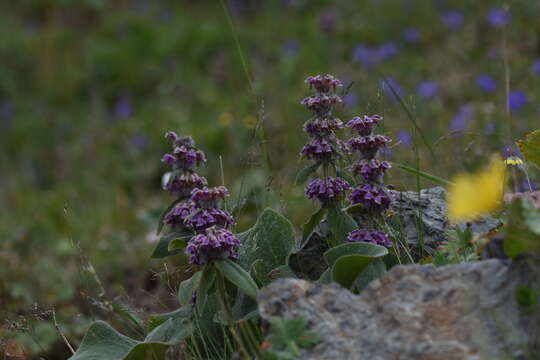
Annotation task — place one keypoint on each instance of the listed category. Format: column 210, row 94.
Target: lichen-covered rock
column 427, row 213
column 479, row 310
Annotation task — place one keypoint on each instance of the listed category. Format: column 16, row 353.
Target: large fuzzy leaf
column 270, row 240
column 236, row 275
column 522, row 233
column 102, row 342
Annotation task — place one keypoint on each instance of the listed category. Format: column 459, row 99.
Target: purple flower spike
column 322, row 127
column 368, row 145
column 169, row 159
column 321, row 104
column 374, row 198
column 208, row 198
column 178, row 214
column 327, row 190
column 364, row 125
column 215, row 244
column 320, row 150
column 202, row 219
column 182, row 185
column 371, row 170
column 371, row 236
column 323, row 83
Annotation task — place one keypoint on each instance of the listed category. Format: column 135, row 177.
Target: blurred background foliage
column 88, row 88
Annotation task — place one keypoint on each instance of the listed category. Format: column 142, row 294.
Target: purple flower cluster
column 372, row 193
column 327, row 190
column 324, row 147
column 199, row 207
column 373, row 197
column 323, row 83
column 214, row 244
column 368, row 145
column 364, row 125
column 371, row 170
column 183, row 161
column 321, row 104
column 371, row 236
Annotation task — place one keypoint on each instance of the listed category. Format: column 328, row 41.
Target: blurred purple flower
column 453, row 19
column 123, row 108
column 385, row 153
column 371, row 236
column 460, row 122
column 486, row 83
column 517, row 99
column 412, row 36
column 490, row 128
column 428, row 89
column 536, row 67
column 404, row 137
column 370, row 56
column 290, row 47
column 351, row 99
column 499, row 17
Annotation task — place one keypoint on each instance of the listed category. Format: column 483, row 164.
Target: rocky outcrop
column 479, row 310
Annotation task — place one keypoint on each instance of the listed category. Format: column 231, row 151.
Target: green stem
column 228, row 315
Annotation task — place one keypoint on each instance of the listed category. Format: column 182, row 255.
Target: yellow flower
column 250, row 121
column 225, row 119
column 473, row 195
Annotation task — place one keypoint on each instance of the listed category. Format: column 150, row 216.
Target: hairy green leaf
column 270, row 240
column 238, row 276
column 530, row 147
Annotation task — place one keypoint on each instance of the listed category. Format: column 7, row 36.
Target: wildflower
column 351, row 99
column 371, row 236
column 214, row 244
column 372, row 169
column 201, row 219
column 473, row 195
column 322, row 127
column 319, row 150
column 364, row 125
column 499, row 17
column 181, row 185
column 208, row 198
column 175, row 218
column 486, row 83
column 453, row 19
column 392, row 89
column 368, row 145
column 373, row 197
column 428, row 89
column 324, row 83
column 412, row 35
column 123, row 108
column 517, row 99
column 321, row 104
column 327, row 190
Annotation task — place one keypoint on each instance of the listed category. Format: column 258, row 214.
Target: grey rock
column 430, row 207
column 464, row 311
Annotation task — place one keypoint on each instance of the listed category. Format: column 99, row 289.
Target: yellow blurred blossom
column 225, row 119
column 250, row 121
column 473, row 195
